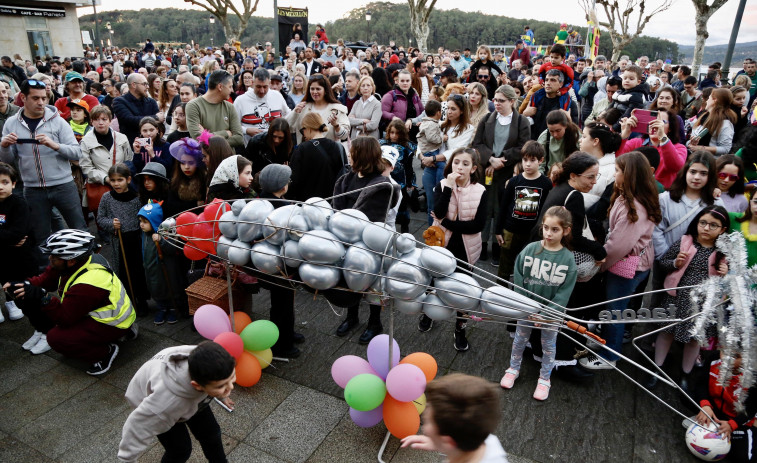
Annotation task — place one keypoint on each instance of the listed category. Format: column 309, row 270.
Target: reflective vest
column 119, row 312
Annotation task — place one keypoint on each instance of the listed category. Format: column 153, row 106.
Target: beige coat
column 96, row 160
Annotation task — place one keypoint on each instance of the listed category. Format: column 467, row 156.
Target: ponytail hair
column 564, row 216
column 609, row 141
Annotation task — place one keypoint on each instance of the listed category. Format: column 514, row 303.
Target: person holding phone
column 713, row 131
column 320, row 99
column 663, row 134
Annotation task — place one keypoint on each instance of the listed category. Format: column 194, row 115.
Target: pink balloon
column 405, row 382
column 232, row 342
column 347, row 367
column 211, row 320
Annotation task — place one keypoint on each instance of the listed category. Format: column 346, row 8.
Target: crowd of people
column 580, row 180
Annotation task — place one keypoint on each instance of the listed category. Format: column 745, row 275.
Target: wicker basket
column 213, row 290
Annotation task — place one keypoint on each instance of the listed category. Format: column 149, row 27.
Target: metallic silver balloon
column 321, row 247
column 318, row 276
column 237, row 206
column 222, row 248
column 365, row 261
column 266, row 258
column 435, row 309
column 458, row 290
column 438, row 261
column 405, row 243
column 290, row 249
column 239, row 252
column 251, row 219
column 413, row 307
column 277, row 222
column 297, row 227
column 227, row 224
column 499, row 300
column 168, row 224
column 378, row 236
column 317, row 212
column 348, row 225
column 406, row 280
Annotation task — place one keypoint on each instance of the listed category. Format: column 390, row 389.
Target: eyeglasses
column 591, row 176
column 499, row 100
column 36, row 83
column 483, row 76
column 724, row 176
column 709, row 225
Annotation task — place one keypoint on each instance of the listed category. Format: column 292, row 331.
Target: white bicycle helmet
column 69, row 244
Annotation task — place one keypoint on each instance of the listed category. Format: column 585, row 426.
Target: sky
column 676, row 24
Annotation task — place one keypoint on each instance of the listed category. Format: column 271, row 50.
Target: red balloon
column 401, row 418
column 203, row 232
column 185, row 223
column 192, row 253
column 249, row 371
column 232, row 342
column 214, row 211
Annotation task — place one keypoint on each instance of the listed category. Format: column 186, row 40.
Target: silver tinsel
column 730, row 304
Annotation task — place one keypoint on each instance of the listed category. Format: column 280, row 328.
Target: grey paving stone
column 42, row 392
column 132, row 355
column 108, row 436
column 53, row 433
column 13, row 450
column 244, row 453
column 349, row 443
column 19, row 365
column 155, row 453
column 299, row 425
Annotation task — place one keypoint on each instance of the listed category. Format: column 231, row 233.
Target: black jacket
column 315, row 165
column 373, row 202
column 261, row 155
column 129, row 110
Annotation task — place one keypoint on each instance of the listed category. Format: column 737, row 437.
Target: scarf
column 124, row 197
column 80, row 129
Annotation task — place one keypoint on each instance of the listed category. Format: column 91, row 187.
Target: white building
column 41, row 27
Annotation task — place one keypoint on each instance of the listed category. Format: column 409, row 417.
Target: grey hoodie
column 39, row 165
column 161, row 394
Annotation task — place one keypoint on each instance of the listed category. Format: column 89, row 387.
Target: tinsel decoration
column 729, row 304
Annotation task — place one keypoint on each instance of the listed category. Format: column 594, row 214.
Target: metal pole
column 276, row 41
column 97, row 33
column 734, row 35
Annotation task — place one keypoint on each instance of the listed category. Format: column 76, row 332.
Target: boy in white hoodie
column 173, row 391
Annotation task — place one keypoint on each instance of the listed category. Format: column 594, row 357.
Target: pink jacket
column 463, row 206
column 672, row 158
column 629, row 238
column 687, row 246
column 394, row 103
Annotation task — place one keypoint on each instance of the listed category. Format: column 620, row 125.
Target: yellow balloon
column 420, row 403
column 265, row 357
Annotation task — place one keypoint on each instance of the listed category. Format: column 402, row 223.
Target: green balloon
column 365, row 392
column 259, row 335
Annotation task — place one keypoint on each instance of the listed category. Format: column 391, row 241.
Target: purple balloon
column 369, row 418
column 347, row 367
column 406, row 382
column 378, row 354
column 211, row 320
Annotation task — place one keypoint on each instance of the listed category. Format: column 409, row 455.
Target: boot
column 349, row 323
column 484, row 251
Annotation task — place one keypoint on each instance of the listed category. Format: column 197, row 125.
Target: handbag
column 586, row 265
column 95, row 191
column 625, row 267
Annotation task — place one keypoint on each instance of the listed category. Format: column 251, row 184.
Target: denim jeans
column 617, row 286
column 204, row 427
column 431, row 176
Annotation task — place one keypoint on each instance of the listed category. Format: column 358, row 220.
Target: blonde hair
column 304, row 83
column 486, row 49
column 313, row 121
column 366, row 79
column 459, row 88
column 483, row 108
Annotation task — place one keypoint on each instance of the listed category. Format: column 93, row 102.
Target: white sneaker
column 42, row 346
column 14, row 313
column 595, row 362
column 2, row 317
column 32, row 341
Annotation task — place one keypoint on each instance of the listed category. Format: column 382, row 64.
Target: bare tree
column 623, row 22
column 704, row 12
column 419, row 14
column 220, row 9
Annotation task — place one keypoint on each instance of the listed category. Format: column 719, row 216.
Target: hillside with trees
column 389, row 21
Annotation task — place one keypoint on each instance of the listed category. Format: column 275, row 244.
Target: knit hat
column 153, row 212
column 274, row 177
column 154, row 169
column 72, row 75
column 507, row 91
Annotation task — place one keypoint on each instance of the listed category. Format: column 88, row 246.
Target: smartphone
column 643, row 118
column 30, row 141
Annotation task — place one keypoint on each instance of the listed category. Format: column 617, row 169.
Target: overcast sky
column 676, row 24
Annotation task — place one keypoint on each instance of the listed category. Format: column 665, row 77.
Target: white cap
column 390, row 153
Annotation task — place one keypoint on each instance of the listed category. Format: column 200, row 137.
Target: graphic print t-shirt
column 522, row 202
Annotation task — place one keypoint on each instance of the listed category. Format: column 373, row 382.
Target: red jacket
column 523, row 55
column 672, row 158
column 722, row 399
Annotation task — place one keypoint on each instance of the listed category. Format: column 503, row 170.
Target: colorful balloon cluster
column 250, row 342
column 375, row 391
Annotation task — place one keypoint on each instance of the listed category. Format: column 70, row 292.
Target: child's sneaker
column 172, row 317
column 41, row 347
column 2, row 317
column 31, row 342
column 14, row 313
column 509, row 379
column 160, row 317
column 542, row 389
column 461, row 342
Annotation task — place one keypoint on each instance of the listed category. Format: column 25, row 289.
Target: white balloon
column 378, row 236
column 266, row 258
column 412, row 307
column 406, row 280
column 318, row 276
column 291, row 250
column 458, row 290
column 360, row 267
column 321, row 247
column 499, row 300
column 168, row 224
column 348, row 225
column 239, row 252
column 435, row 309
column 227, row 224
column 277, row 222
column 405, row 243
column 439, row 261
column 222, row 248
column 251, row 219
column 298, row 226
column 317, row 212
column 237, row 206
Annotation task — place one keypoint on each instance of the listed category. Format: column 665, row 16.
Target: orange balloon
column 401, row 418
column 249, row 371
column 241, row 320
column 425, row 362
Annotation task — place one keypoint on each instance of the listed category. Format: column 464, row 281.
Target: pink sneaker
column 542, row 389
column 509, row 378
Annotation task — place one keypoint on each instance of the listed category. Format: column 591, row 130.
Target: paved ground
column 50, row 410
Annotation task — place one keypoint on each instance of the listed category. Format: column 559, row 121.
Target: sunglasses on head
column 724, row 176
column 36, row 84
column 317, row 77
column 457, row 97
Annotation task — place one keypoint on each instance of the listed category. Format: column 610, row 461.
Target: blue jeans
column 65, row 198
column 617, row 286
column 431, row 176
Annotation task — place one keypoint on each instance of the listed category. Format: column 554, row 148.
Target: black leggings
column 204, row 427
column 743, row 446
